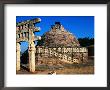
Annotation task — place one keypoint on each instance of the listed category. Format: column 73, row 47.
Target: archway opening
column 24, row 56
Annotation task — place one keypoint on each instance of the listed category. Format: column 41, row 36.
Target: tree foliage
column 86, row 41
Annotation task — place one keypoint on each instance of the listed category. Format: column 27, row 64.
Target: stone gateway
column 25, row 32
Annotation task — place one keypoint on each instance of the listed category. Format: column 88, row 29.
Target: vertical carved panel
column 32, row 56
column 18, row 56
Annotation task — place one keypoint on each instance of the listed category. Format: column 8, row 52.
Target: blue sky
column 80, row 26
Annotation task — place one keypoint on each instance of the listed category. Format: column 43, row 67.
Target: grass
column 77, row 70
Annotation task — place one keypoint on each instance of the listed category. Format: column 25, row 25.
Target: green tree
column 86, row 41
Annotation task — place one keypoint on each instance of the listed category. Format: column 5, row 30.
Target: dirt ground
column 67, row 69
column 76, row 70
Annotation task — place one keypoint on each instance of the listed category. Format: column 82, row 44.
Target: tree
column 86, row 41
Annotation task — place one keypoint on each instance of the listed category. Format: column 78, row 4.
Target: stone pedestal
column 18, row 56
column 31, row 51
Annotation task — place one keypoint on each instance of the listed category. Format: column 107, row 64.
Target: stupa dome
column 58, row 36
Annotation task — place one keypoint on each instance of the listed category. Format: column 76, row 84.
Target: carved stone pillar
column 18, row 56
column 31, row 52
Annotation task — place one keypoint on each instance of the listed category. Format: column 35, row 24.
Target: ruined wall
column 46, row 55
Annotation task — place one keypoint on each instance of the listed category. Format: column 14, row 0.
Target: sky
column 80, row 26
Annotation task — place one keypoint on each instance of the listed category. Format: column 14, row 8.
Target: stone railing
column 65, row 54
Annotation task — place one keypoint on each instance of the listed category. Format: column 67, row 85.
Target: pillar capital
column 17, row 46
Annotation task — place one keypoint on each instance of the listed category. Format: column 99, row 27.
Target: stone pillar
column 18, row 56
column 31, row 52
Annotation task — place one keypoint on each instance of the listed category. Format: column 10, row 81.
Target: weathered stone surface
column 57, row 36
column 18, row 56
column 25, row 32
column 67, row 55
column 31, row 52
column 59, row 46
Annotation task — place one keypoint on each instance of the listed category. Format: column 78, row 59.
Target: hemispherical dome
column 57, row 36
